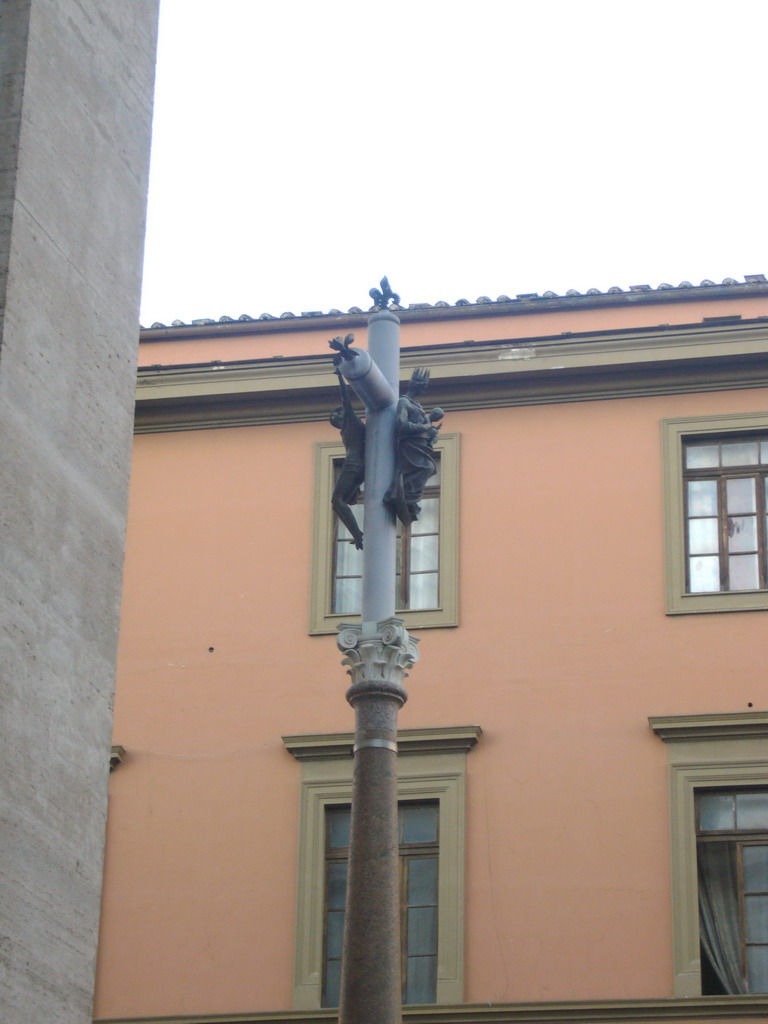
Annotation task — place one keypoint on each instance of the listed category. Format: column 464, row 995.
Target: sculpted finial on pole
column 342, row 349
column 381, row 299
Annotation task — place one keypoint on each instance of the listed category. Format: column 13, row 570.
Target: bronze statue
column 346, row 491
column 415, row 436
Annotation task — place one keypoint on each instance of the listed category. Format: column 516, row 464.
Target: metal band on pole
column 387, row 744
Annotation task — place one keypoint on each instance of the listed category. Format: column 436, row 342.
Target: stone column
column 378, row 661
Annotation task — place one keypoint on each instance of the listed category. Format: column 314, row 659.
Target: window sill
column 696, row 1009
column 722, row 601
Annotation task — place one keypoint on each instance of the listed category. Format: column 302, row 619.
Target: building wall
column 74, row 144
column 562, row 652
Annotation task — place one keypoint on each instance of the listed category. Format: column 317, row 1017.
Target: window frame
column 407, row 854
column 321, row 618
column 405, row 535
column 725, row 751
column 431, row 766
column 674, row 433
column 739, row 839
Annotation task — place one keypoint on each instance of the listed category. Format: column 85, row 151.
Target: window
column 725, row 484
column 732, row 854
column 718, row 777
column 716, row 477
column 427, row 555
column 418, row 557
column 418, row 824
column 431, row 768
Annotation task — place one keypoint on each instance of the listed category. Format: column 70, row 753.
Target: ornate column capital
column 378, row 662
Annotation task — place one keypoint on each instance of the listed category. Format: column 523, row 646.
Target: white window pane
column 349, row 596
column 742, row 572
column 429, row 519
column 423, row 590
column 702, row 497
column 716, row 812
column 755, row 868
column 764, row 452
column 742, row 533
column 334, row 934
column 757, row 964
column 752, row 811
column 756, row 914
column 740, row 495
column 421, row 979
column 418, row 823
column 422, row 930
column 703, row 537
column 349, row 559
column 702, row 456
column 704, row 574
column 332, row 983
column 422, row 881
column 740, row 453
column 338, row 820
column 424, row 554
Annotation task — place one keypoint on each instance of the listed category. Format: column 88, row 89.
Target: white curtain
column 719, row 913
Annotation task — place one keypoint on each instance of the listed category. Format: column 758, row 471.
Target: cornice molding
column 267, row 323
column 336, row 745
column 745, row 1008
column 732, row 725
column 466, row 375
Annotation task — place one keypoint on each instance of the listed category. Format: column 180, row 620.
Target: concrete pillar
column 75, row 114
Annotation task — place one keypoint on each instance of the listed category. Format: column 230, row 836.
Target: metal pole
column 379, row 652
column 379, row 553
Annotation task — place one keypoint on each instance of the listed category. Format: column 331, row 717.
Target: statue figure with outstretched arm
column 346, row 491
column 415, row 436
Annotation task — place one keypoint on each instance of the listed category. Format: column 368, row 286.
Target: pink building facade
column 588, row 719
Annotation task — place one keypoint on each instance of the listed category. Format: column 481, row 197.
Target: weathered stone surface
column 74, row 143
column 378, row 661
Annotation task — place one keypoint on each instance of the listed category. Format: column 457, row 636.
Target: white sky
column 303, row 149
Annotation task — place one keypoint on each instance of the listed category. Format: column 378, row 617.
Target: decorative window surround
column 705, row 751
column 321, row 619
column 336, row 745
column 674, row 433
column 431, row 766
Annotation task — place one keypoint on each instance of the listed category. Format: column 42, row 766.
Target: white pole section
column 376, row 381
